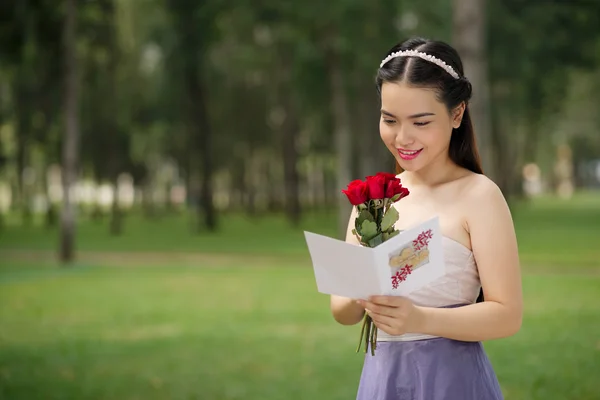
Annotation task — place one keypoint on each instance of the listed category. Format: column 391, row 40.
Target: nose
column 404, row 136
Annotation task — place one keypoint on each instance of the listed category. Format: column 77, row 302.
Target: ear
column 457, row 115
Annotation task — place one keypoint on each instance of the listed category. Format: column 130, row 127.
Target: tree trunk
column 342, row 137
column 372, row 153
column 470, row 38
column 289, row 130
column 71, row 139
column 23, row 100
column 117, row 155
column 148, row 206
column 249, row 170
column 200, row 130
column 505, row 160
column 51, row 215
column 193, row 24
column 290, row 171
column 238, row 185
column 266, row 172
column 116, row 220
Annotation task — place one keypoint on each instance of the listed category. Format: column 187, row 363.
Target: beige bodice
column 459, row 285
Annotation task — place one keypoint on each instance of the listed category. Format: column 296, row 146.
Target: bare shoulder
column 481, row 191
column 478, row 184
column 481, row 200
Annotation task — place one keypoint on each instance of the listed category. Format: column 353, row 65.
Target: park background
column 160, row 159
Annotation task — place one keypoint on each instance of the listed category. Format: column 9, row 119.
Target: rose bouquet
column 374, row 198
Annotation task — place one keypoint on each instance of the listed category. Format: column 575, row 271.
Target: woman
column 429, row 343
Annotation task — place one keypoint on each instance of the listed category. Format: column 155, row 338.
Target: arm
column 495, row 249
column 494, row 246
column 347, row 311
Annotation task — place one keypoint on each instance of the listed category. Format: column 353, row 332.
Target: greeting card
column 400, row 265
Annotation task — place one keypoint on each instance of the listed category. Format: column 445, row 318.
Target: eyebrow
column 419, row 115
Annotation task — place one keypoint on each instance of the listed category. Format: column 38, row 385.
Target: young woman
column 429, row 343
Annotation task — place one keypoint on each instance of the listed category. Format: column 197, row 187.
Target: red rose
column 388, row 177
column 394, row 187
column 356, row 192
column 376, row 186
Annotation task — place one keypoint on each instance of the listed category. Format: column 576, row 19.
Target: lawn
column 160, row 314
column 552, row 233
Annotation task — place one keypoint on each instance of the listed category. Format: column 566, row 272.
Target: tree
column 194, row 25
column 469, row 36
column 71, row 138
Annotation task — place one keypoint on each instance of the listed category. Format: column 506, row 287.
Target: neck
column 436, row 173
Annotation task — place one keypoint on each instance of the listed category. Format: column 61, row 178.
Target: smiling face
column 415, row 126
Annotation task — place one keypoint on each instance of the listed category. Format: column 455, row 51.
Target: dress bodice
column 458, row 286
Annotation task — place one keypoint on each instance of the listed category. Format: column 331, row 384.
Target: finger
column 383, row 319
column 387, row 324
column 385, row 327
column 382, row 310
column 390, row 301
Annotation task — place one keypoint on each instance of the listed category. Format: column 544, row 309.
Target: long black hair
column 451, row 91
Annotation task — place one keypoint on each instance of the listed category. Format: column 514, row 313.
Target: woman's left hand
column 394, row 315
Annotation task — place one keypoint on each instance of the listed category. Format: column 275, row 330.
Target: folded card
column 398, row 266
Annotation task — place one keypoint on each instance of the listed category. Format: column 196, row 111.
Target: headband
column 424, row 56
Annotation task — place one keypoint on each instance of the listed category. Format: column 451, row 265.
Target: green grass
column 247, row 333
column 551, row 232
column 238, row 234
column 561, row 233
column 204, row 321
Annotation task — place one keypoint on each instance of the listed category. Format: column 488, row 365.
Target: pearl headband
column 424, row 56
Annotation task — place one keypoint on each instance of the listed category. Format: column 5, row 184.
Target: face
column 415, row 126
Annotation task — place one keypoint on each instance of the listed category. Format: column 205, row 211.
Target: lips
column 408, row 154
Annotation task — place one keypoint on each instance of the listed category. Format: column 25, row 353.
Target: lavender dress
column 421, row 367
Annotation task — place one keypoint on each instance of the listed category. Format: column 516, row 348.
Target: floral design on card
column 409, row 258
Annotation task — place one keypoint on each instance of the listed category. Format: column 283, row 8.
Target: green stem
column 373, row 336
column 375, row 340
column 367, row 333
column 362, row 331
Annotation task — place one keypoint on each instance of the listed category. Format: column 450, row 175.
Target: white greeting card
column 398, row 266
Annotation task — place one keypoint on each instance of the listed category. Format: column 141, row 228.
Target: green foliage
column 377, row 240
column 368, row 230
column 363, row 215
column 389, row 219
column 531, row 47
column 136, row 59
column 388, row 236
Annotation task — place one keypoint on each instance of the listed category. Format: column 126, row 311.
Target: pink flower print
column 401, row 275
column 422, row 240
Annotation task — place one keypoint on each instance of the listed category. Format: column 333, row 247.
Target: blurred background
column 160, row 159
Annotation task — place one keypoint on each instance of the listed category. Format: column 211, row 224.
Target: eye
column 388, row 121
column 422, row 123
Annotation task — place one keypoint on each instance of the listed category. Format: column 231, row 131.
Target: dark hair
column 417, row 72
column 452, row 92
